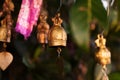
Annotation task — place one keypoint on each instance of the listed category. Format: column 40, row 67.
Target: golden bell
column 43, row 28
column 103, row 55
column 57, row 35
column 3, row 32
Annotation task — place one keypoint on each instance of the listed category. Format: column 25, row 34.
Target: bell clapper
column 59, row 51
column 43, row 45
column 4, row 46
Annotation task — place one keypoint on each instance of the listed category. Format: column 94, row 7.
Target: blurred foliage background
column 82, row 20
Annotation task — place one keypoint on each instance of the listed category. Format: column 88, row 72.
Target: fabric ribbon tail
column 28, row 16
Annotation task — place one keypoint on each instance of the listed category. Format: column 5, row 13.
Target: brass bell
column 57, row 35
column 57, row 38
column 103, row 55
column 3, row 32
column 43, row 28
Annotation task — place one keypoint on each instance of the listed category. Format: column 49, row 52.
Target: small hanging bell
column 3, row 32
column 43, row 28
column 103, row 55
column 57, row 35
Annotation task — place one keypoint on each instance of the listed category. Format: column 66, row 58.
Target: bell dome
column 57, row 35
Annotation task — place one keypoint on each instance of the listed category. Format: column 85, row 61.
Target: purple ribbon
column 28, row 16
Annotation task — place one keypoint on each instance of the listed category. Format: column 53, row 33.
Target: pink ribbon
column 28, row 16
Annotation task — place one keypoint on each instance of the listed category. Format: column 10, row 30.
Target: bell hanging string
column 105, row 76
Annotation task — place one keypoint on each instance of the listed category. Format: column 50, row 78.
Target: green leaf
column 79, row 23
column 99, row 13
column 81, row 14
column 114, row 76
column 37, row 53
column 117, row 5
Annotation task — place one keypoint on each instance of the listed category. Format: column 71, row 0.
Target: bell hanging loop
column 57, row 35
